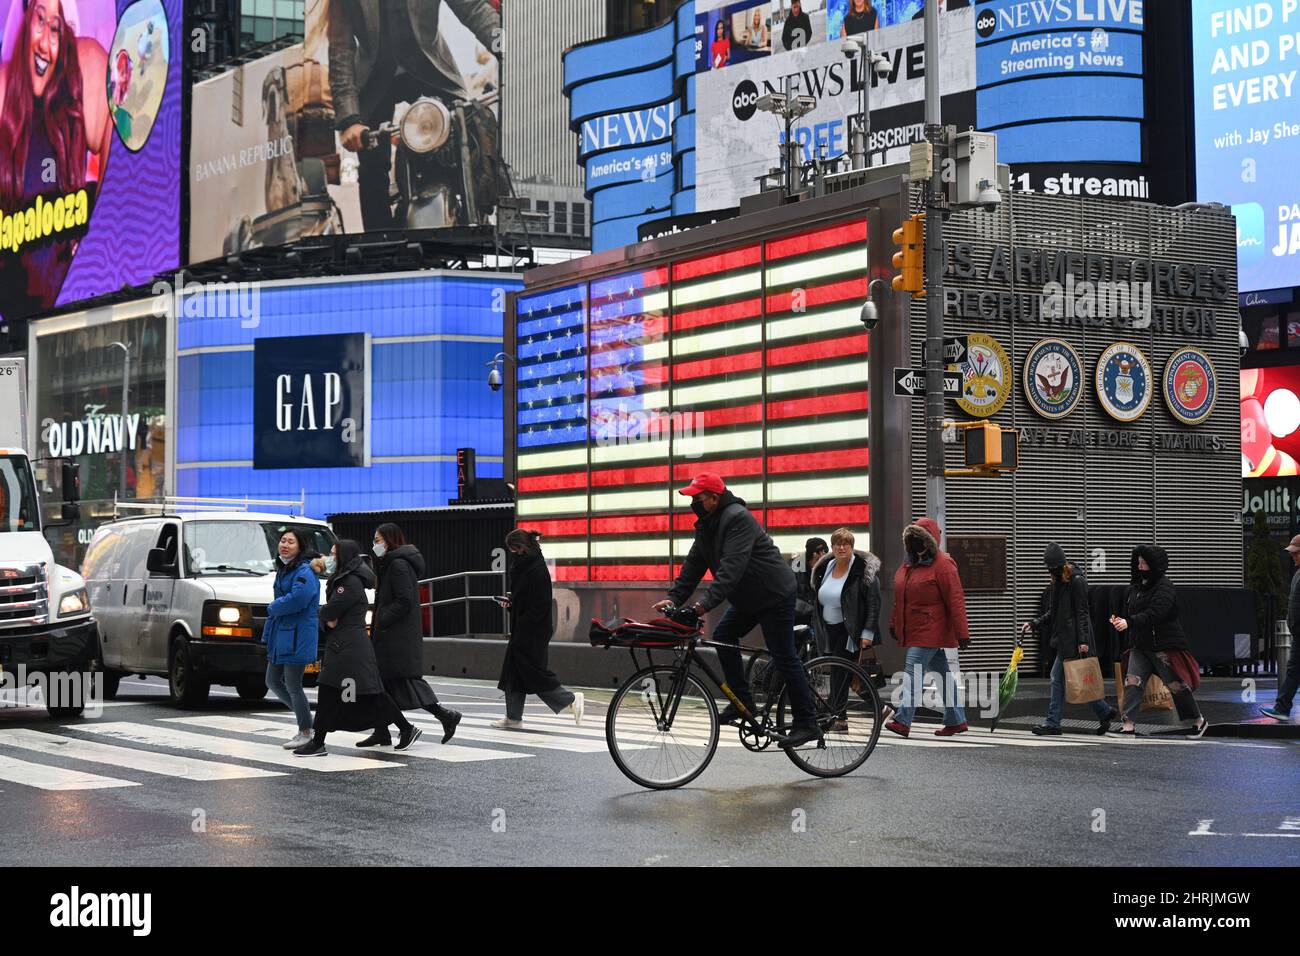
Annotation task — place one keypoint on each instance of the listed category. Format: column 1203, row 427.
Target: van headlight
column 229, row 615
column 74, row 602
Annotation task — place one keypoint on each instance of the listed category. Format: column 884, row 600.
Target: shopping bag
column 1157, row 696
column 1083, row 680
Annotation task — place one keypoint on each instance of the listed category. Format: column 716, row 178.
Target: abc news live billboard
column 1060, row 81
column 360, row 128
column 90, row 148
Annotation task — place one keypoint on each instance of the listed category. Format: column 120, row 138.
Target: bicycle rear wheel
column 650, row 751
column 848, row 713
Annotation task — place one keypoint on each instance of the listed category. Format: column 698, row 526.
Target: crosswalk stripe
column 44, row 777
column 92, row 751
column 450, row 753
column 159, row 736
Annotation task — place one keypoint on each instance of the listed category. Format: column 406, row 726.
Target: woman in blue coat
column 291, row 629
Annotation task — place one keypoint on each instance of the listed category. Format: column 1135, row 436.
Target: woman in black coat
column 525, row 671
column 1158, row 644
column 351, row 695
column 846, row 608
column 398, row 633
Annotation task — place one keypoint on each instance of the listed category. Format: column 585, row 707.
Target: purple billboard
column 90, row 140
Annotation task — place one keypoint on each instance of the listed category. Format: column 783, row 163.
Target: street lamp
column 126, row 384
column 872, row 63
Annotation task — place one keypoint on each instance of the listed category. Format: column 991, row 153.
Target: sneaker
column 799, row 736
column 298, row 740
column 408, row 736
column 1198, row 730
column 576, row 708
column 896, row 728
column 505, row 723
column 952, row 731
column 311, row 749
column 1275, row 712
column 1104, row 727
column 376, row 740
column 1046, row 730
column 449, row 719
column 840, row 727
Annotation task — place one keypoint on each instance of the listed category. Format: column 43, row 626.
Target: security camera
column 880, row 64
column 849, row 48
column 1243, row 342
column 869, row 316
column 494, row 379
column 989, row 198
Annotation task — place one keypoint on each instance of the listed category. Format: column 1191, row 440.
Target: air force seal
column 1124, row 382
column 986, row 377
column 1053, row 378
column 1190, row 386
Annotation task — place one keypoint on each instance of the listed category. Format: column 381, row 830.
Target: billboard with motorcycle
column 384, row 118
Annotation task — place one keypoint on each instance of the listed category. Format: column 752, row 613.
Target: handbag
column 1156, row 695
column 1083, row 680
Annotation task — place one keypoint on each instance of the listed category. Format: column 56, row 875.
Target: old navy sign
column 312, row 401
column 633, row 128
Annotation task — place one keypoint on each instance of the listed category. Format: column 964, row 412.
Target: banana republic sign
column 312, row 401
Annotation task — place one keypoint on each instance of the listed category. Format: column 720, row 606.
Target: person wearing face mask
column 1157, row 643
column 1069, row 632
column 351, row 693
column 290, row 631
column 525, row 669
column 814, row 550
column 751, row 574
column 398, row 633
column 929, row 617
column 847, row 613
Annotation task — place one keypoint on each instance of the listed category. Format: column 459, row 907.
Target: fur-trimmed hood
column 867, row 563
column 926, row 531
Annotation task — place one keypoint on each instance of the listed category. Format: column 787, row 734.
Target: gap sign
column 312, row 401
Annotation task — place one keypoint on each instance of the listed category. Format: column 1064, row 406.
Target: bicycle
column 662, row 725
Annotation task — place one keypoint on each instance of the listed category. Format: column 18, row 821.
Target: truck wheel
column 251, row 688
column 187, row 688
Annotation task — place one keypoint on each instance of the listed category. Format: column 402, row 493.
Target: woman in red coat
column 929, row 615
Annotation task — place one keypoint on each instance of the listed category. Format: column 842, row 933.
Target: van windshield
column 243, row 547
column 18, row 507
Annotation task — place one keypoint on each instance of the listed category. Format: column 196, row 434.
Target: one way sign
column 910, row 382
column 954, row 349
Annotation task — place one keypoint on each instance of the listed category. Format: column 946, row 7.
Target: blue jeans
column 285, row 682
column 1099, row 707
column 777, row 624
column 920, row 660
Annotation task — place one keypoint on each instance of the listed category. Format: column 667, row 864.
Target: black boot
column 380, row 738
column 448, row 718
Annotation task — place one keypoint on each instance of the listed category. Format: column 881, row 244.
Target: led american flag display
column 749, row 361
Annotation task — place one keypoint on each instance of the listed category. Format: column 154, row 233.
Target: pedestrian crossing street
column 103, row 754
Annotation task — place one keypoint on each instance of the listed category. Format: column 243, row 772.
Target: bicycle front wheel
column 659, row 736
column 848, row 712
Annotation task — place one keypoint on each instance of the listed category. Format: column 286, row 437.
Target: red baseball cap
column 706, row 481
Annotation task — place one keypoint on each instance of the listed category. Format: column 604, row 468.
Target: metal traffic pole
column 935, row 495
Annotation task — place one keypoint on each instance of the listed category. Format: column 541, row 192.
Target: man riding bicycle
column 752, row 574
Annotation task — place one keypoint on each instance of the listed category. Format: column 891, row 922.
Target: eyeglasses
column 54, row 24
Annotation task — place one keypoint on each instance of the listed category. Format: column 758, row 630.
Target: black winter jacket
column 747, row 568
column 525, row 668
column 1151, row 605
column 1067, row 622
column 346, row 652
column 398, row 629
column 859, row 600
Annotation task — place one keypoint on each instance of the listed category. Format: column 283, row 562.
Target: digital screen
column 1244, row 61
column 90, row 141
column 748, row 361
column 431, row 340
column 314, row 140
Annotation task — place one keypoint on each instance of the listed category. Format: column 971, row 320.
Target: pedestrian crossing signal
column 990, row 446
column 910, row 259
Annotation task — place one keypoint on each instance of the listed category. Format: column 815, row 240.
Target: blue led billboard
column 429, row 336
column 1247, row 106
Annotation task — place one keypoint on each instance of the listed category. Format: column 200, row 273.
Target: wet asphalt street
column 147, row 784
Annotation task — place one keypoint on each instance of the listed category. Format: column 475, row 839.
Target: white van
column 185, row 595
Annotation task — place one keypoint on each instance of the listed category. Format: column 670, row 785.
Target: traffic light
column 992, row 447
column 910, row 258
